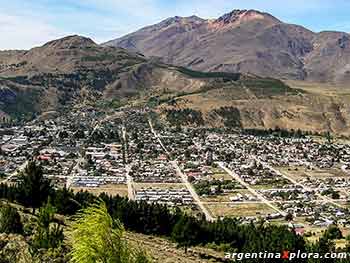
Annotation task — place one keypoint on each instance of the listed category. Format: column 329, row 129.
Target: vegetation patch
column 198, row 74
column 231, row 116
column 262, row 87
column 23, row 105
column 184, row 117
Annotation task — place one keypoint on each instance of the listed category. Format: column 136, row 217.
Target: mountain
column 76, row 72
column 246, row 41
column 72, row 69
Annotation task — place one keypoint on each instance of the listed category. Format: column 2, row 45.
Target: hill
column 76, row 72
column 246, row 41
column 74, row 69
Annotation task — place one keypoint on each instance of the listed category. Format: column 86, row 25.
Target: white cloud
column 18, row 32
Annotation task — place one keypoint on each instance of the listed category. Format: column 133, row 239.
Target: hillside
column 245, row 41
column 74, row 71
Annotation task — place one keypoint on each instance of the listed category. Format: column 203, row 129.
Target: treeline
column 230, row 115
column 184, row 117
column 277, row 132
column 155, row 219
column 34, row 190
column 285, row 133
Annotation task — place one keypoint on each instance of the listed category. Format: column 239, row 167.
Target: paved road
column 183, row 177
column 192, row 191
column 75, row 168
column 253, row 191
column 324, row 198
column 159, row 140
column 124, row 144
column 129, row 181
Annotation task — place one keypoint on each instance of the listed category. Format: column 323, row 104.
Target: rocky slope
column 245, row 41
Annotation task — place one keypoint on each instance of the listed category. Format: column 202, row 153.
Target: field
column 223, row 197
column 239, row 209
column 298, row 173
column 219, row 173
column 114, row 189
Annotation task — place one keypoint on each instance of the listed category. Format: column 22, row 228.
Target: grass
column 239, row 210
column 113, row 190
column 162, row 250
column 263, row 87
column 302, row 172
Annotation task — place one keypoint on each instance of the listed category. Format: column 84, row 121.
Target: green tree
column 48, row 234
column 333, row 232
column 329, row 137
column 10, row 220
column 335, row 195
column 289, row 217
column 186, row 232
column 94, row 237
column 33, row 186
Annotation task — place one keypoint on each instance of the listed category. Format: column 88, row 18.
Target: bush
column 10, row 220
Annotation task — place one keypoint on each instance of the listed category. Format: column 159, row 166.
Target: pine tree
column 48, row 234
column 33, row 186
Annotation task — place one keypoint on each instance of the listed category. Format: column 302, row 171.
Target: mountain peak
column 182, row 20
column 238, row 16
column 69, row 42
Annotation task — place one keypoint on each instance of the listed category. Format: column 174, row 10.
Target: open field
column 223, row 197
column 239, row 210
column 220, row 174
column 298, row 173
column 115, row 189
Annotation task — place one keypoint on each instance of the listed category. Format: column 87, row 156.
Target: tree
column 329, row 137
column 335, row 195
column 10, row 220
column 333, row 232
column 48, row 234
column 95, row 237
column 289, row 217
column 186, row 232
column 33, row 186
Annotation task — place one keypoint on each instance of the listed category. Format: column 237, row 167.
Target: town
column 302, row 181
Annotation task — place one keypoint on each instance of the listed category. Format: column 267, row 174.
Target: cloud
column 23, row 32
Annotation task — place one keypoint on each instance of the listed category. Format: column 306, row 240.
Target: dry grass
column 164, row 251
column 299, row 173
column 220, row 174
column 239, row 210
column 114, row 189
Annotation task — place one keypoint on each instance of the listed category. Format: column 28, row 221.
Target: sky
column 28, row 23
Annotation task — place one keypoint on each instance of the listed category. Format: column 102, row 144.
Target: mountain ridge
column 246, row 41
column 76, row 72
